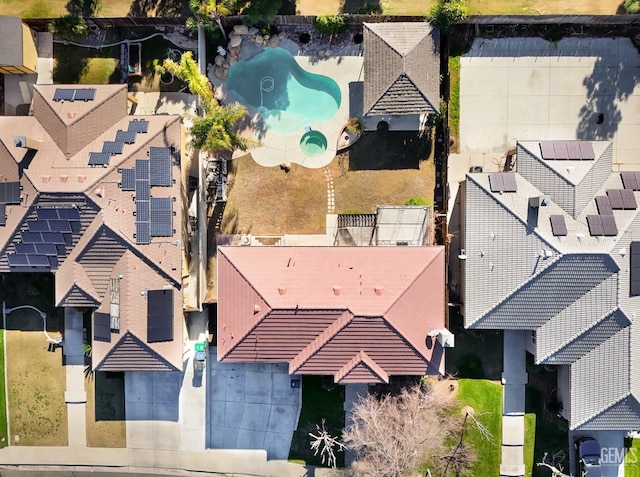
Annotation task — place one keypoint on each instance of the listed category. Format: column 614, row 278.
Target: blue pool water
column 288, row 97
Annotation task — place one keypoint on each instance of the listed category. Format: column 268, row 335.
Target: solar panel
column 60, row 226
column 615, row 197
column 509, row 181
column 160, row 166
column 609, row 225
column 495, row 182
column 101, row 327
column 142, row 169
column 586, row 150
column 10, row 192
column 63, row 94
column 31, row 237
column 99, row 158
column 53, row 237
column 127, row 137
column 604, row 206
column 128, row 179
column 3, row 214
column 595, row 224
column 546, row 148
column 38, row 225
column 53, row 261
column 18, row 260
column 142, row 190
column 561, row 150
column 44, row 248
column 142, row 211
column 138, row 125
column 112, row 147
column 634, row 278
column 46, row 213
column 558, row 225
column 85, row 94
column 143, row 232
column 68, row 213
column 573, row 150
column 38, row 260
column 161, row 217
column 629, row 180
column 628, row 199
column 159, row 316
column 25, row 247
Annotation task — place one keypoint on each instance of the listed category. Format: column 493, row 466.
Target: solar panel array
column 159, row 316
column 604, row 205
column 161, row 217
column 138, row 126
column 128, row 137
column 631, row 180
column 110, row 148
column 46, row 239
column 74, row 94
column 99, row 158
column 602, row 225
column 558, row 225
column 622, row 199
column 567, row 150
column 634, row 278
column 10, row 192
column 128, row 181
column 503, row 182
column 160, row 166
column 143, row 208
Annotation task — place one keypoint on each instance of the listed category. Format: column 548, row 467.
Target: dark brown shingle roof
column 132, row 354
column 401, row 68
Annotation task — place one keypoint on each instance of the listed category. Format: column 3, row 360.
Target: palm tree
column 208, row 14
column 216, row 129
column 187, row 71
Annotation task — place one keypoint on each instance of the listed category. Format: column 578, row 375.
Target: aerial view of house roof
column 401, row 68
column 357, row 313
column 552, row 248
column 89, row 193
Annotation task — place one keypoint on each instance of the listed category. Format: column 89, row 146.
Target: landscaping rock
column 274, row 41
column 219, row 72
column 219, row 60
column 235, row 41
column 232, row 61
column 259, row 39
column 225, row 65
column 241, row 29
column 253, row 31
column 248, row 50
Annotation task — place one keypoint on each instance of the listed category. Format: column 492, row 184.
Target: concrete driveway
column 612, row 451
column 528, row 88
column 251, row 406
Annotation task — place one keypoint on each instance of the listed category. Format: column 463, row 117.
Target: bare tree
column 391, row 435
column 326, row 444
column 553, row 464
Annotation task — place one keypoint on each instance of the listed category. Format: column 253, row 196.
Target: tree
column 448, row 12
column 188, row 72
column 632, row 6
column 391, row 435
column 208, row 14
column 258, row 10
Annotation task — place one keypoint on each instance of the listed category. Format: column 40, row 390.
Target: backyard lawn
column 3, row 398
column 76, row 65
column 632, row 461
column 321, row 399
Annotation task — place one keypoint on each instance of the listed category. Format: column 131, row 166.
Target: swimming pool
column 287, row 97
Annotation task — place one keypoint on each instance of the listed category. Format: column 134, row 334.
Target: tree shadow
column 610, row 83
column 83, row 8
column 361, row 6
column 159, row 8
column 392, row 150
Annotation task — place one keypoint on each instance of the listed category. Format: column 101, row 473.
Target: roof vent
column 64, row 178
column 545, row 253
column 282, row 290
column 245, row 240
column 71, row 114
column 46, row 179
column 337, row 290
column 463, row 255
column 99, row 192
column 257, row 309
column 377, row 290
column 539, row 201
column 82, row 178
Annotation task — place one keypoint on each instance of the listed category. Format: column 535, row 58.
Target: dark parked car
column 587, row 457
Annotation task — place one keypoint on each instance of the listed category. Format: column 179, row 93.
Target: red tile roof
column 319, row 308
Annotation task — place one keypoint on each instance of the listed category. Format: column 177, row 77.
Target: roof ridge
column 361, row 358
column 312, row 348
column 609, row 314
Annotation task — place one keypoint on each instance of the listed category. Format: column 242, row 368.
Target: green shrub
column 354, row 126
column 331, row 24
column 418, row 201
column 448, row 12
column 632, row 6
column 69, row 26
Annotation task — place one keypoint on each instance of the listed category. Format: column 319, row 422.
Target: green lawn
column 321, row 399
column 632, row 461
column 76, row 65
column 454, row 102
column 529, row 441
column 3, row 398
column 485, row 397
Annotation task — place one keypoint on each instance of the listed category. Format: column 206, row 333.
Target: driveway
column 612, row 450
column 528, row 88
column 251, row 406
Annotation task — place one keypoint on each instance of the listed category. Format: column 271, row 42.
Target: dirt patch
column 36, row 380
column 106, row 425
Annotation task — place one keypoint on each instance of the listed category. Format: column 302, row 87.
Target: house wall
column 530, row 344
column 546, row 180
column 18, row 89
column 29, row 51
column 564, row 390
column 409, row 122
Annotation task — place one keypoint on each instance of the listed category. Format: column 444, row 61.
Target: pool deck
column 276, row 149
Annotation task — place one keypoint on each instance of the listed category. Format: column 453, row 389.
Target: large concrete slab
column 251, row 406
column 527, row 89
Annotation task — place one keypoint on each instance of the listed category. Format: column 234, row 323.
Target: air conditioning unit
column 245, row 240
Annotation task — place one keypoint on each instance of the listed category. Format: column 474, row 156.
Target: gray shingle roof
column 401, row 68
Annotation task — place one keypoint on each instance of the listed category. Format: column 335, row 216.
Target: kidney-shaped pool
column 288, row 97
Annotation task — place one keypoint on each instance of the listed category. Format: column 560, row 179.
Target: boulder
column 274, row 41
column 232, row 61
column 259, row 39
column 219, row 60
column 241, row 30
column 235, row 41
column 225, row 73
column 225, row 65
column 219, row 72
column 253, row 31
column 248, row 50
